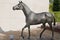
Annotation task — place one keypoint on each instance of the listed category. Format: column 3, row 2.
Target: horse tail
column 54, row 22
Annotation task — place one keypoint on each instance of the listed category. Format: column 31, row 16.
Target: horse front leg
column 22, row 31
column 29, row 31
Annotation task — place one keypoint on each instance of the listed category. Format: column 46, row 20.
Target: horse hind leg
column 43, row 30
column 52, row 29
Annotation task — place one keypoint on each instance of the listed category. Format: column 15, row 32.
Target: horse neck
column 26, row 9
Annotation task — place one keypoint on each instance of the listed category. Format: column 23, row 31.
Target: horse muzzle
column 13, row 8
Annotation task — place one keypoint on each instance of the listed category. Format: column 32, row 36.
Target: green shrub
column 56, row 13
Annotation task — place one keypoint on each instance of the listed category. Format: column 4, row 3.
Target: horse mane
column 26, row 7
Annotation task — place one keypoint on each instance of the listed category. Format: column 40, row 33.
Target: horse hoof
column 22, row 36
column 52, row 39
column 40, row 37
column 28, row 37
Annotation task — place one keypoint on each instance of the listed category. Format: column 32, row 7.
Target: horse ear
column 20, row 1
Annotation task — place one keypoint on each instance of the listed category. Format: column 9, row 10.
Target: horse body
column 33, row 18
column 38, row 18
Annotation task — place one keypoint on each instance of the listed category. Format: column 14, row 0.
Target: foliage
column 56, row 13
column 56, row 5
column 50, row 1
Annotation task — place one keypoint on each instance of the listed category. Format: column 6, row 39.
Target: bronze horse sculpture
column 33, row 18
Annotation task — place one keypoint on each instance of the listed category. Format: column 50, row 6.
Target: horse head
column 19, row 6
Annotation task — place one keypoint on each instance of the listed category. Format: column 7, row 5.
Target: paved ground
column 46, row 35
column 34, row 35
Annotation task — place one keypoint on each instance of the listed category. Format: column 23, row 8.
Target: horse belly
column 34, row 22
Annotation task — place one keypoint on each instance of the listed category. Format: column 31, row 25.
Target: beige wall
column 15, row 20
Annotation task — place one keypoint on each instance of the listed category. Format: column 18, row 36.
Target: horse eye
column 18, row 4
